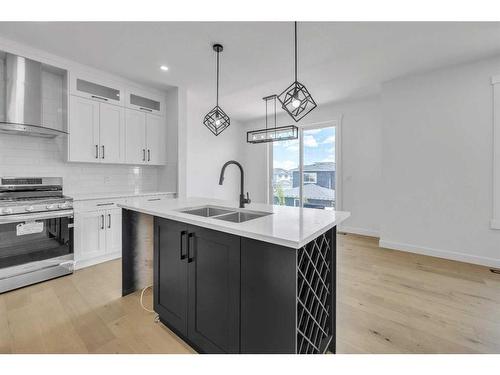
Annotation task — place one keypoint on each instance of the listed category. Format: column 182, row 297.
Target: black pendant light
column 274, row 134
column 216, row 120
column 296, row 99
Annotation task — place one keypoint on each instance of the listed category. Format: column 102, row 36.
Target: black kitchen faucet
column 243, row 200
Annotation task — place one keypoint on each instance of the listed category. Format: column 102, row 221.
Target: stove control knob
column 51, row 207
column 30, row 208
column 7, row 211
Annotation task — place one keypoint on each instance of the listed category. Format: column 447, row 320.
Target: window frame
column 337, row 123
column 495, row 219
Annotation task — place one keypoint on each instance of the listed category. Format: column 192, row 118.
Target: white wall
column 254, row 159
column 361, row 155
column 437, row 163
column 168, row 179
column 207, row 153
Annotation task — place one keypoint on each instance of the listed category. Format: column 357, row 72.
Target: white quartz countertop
column 287, row 226
column 110, row 195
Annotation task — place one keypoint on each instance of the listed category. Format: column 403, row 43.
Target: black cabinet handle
column 145, row 109
column 143, row 154
column 97, row 151
column 102, row 221
column 190, row 247
column 109, row 222
column 183, row 237
column 98, row 97
column 149, row 154
column 102, row 151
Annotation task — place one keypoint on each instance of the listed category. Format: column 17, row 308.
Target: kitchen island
column 232, row 280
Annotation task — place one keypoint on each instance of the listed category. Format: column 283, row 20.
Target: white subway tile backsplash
column 27, row 156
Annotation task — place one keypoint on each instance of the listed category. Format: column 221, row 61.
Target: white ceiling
column 337, row 60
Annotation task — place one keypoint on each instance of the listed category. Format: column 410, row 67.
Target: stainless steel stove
column 36, row 231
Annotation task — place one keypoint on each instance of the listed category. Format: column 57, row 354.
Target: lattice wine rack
column 315, row 315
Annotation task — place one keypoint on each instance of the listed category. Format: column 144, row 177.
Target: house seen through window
column 318, row 169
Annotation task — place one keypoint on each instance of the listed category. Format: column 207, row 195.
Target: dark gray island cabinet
column 223, row 293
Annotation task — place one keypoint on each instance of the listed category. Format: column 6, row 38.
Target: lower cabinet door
column 170, row 273
column 214, row 290
column 90, row 235
column 113, row 230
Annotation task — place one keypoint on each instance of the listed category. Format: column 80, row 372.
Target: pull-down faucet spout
column 243, row 200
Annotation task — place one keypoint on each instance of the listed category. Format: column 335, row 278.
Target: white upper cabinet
column 145, row 138
column 90, row 87
column 155, row 140
column 135, row 137
column 111, row 133
column 145, row 101
column 96, row 132
column 108, row 124
column 83, row 130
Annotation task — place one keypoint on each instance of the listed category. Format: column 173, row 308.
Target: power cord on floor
column 157, row 317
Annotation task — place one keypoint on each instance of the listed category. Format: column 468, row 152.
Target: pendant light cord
column 275, row 111
column 267, row 99
column 295, row 50
column 274, row 116
column 266, row 115
column 217, row 100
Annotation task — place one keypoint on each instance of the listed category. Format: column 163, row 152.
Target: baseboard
column 79, row 264
column 361, row 231
column 495, row 223
column 439, row 253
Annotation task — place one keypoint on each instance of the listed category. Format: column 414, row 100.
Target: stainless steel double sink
column 225, row 213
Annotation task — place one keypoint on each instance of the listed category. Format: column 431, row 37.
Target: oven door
column 35, row 247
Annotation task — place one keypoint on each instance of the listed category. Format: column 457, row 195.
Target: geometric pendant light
column 216, row 120
column 275, row 133
column 296, row 99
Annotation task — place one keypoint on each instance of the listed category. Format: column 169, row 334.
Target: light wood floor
column 388, row 302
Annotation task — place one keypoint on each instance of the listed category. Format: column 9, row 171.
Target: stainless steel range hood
column 21, row 111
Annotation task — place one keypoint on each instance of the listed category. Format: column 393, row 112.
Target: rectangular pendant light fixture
column 282, row 133
column 274, row 134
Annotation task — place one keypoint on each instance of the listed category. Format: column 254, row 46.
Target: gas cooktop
column 21, row 195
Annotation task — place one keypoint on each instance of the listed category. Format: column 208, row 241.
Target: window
column 304, row 170
column 310, row 178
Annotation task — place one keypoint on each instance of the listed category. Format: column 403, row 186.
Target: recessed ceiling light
column 164, row 68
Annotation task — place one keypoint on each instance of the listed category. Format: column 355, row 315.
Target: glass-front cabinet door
column 97, row 89
column 145, row 101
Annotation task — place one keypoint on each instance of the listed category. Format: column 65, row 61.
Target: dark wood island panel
column 224, row 293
